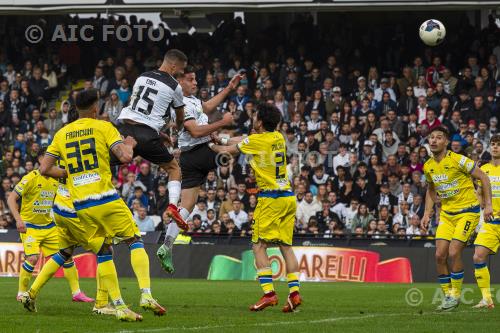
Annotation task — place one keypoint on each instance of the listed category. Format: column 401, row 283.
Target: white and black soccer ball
column 432, row 32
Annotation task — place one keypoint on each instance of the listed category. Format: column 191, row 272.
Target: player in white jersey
column 154, row 94
column 197, row 159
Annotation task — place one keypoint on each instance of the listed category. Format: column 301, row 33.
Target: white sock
column 174, row 191
column 173, row 230
column 77, row 292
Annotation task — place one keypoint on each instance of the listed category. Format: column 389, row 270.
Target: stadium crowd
column 356, row 114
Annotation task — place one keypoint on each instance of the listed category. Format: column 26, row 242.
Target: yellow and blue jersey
column 83, row 147
column 493, row 173
column 37, row 193
column 268, row 160
column 453, row 183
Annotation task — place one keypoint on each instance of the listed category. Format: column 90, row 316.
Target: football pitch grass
column 222, row 306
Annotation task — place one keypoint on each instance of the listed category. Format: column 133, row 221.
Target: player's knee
column 454, row 254
column 441, row 257
column 260, row 246
column 478, row 258
column 32, row 259
column 134, row 243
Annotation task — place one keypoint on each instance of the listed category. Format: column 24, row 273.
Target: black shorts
column 150, row 144
column 195, row 165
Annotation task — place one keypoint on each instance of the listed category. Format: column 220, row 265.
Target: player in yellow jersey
column 450, row 178
column 488, row 238
column 84, row 147
column 274, row 216
column 38, row 231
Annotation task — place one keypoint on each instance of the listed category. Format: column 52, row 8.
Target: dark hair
column 441, row 129
column 495, row 138
column 189, row 69
column 86, row 98
column 72, row 114
column 175, row 55
column 269, row 115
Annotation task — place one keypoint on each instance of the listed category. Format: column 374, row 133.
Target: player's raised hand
column 130, row 141
column 228, row 118
column 235, row 81
column 21, row 227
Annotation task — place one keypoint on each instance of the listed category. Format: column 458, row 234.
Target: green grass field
column 207, row 306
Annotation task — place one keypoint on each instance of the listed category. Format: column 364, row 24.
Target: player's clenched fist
column 130, row 141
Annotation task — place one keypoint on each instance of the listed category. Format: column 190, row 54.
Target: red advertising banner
column 12, row 258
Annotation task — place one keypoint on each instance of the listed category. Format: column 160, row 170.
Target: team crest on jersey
column 39, row 185
column 29, row 239
column 246, row 141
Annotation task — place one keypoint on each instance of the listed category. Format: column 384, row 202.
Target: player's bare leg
column 265, row 277
column 482, row 274
column 292, row 270
column 442, row 250
column 189, row 197
column 174, row 191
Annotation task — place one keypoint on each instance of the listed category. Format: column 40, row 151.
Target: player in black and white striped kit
column 154, row 95
column 197, row 159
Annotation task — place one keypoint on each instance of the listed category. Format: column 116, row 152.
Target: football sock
column 482, row 274
column 173, row 230
column 140, row 263
column 265, row 276
column 25, row 276
column 101, row 299
column 71, row 274
column 174, row 191
column 293, row 282
column 445, row 282
column 109, row 279
column 49, row 269
column 457, row 279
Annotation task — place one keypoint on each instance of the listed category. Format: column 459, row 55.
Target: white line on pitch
column 316, row 321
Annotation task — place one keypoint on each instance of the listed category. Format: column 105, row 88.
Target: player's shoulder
column 29, row 176
column 162, row 77
column 486, row 167
column 428, row 164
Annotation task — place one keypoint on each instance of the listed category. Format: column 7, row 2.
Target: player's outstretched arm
column 48, row 168
column 212, row 104
column 125, row 151
column 219, row 149
column 478, row 174
column 14, row 210
column 198, row 131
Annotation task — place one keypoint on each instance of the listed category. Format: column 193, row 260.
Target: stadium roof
column 110, row 6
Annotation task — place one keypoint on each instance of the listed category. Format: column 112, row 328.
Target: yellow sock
column 25, row 276
column 457, row 278
column 71, row 275
column 101, row 298
column 49, row 269
column 445, row 282
column 482, row 274
column 109, row 279
column 140, row 263
column 293, row 282
column 265, row 276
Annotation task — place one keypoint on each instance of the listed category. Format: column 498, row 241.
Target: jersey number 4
column 145, row 96
column 85, row 154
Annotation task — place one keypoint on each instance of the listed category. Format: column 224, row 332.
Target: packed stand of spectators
column 356, row 116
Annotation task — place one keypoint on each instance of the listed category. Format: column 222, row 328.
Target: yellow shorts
column 72, row 232
column 274, row 219
column 40, row 237
column 113, row 217
column 459, row 227
column 489, row 237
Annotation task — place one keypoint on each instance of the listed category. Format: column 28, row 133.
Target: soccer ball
column 432, row 32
